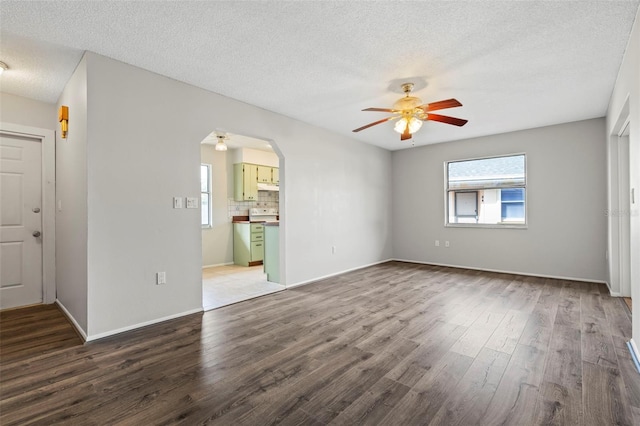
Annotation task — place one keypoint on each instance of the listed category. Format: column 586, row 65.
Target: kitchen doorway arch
column 228, row 277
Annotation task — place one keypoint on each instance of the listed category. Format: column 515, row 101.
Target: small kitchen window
column 205, row 195
column 486, row 192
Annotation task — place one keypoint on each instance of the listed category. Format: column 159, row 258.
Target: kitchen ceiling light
column 3, row 67
column 220, row 145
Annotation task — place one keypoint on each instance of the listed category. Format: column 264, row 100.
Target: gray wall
column 71, row 192
column 143, row 148
column 27, row 112
column 566, row 201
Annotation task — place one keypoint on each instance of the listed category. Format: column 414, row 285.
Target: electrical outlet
column 437, row 243
column 161, row 278
column 446, row 243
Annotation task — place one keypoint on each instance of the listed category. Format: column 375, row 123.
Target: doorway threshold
column 227, row 285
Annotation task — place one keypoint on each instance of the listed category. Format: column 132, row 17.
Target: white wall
column 27, row 112
column 566, row 200
column 71, row 192
column 144, row 134
column 217, row 241
column 627, row 94
column 255, row 156
column 141, row 153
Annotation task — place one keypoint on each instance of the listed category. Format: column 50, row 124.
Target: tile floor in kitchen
column 224, row 285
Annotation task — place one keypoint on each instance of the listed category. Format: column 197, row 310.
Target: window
column 486, row 191
column 512, row 200
column 205, row 194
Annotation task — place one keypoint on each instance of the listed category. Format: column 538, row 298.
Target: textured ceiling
column 513, row 64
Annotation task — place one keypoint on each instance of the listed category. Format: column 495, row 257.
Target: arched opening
column 240, row 217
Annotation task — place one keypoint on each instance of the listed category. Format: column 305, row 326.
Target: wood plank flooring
column 392, row 344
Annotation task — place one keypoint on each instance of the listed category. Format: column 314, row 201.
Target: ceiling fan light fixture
column 414, row 125
column 400, row 125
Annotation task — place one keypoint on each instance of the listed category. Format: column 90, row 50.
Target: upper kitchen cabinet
column 268, row 174
column 245, row 177
column 264, row 174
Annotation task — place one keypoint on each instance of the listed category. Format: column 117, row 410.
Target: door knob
column 36, row 234
column 36, row 210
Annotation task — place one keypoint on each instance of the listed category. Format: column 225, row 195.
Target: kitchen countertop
column 257, row 221
column 245, row 219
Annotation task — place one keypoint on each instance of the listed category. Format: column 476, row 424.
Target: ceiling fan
column 411, row 113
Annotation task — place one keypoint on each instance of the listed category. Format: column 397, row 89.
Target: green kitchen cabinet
column 264, row 174
column 248, row 243
column 272, row 252
column 268, row 174
column 245, row 181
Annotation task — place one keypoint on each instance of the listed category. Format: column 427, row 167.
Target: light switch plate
column 193, row 202
column 177, row 202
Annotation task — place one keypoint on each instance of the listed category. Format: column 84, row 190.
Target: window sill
column 488, row 225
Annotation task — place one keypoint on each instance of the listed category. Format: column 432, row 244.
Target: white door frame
column 624, row 210
column 47, row 138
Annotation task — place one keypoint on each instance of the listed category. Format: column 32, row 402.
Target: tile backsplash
column 266, row 199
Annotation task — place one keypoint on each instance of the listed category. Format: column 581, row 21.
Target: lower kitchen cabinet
column 272, row 252
column 248, row 244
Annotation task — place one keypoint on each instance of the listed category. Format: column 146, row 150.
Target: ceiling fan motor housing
column 407, row 103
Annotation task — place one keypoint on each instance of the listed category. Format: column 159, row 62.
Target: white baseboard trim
column 634, row 353
column 217, row 264
column 142, row 324
column 73, row 321
column 528, row 274
column 613, row 293
column 335, row 273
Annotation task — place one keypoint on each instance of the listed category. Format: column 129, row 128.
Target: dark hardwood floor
column 393, row 344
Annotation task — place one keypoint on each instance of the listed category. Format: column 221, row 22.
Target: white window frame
column 503, row 225
column 209, row 215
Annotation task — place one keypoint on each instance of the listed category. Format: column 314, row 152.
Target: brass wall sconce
column 63, row 118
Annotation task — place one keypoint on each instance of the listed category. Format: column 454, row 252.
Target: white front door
column 20, row 221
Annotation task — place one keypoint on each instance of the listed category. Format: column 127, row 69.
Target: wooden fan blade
column 448, row 120
column 405, row 136
column 374, row 123
column 381, row 109
column 434, row 106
